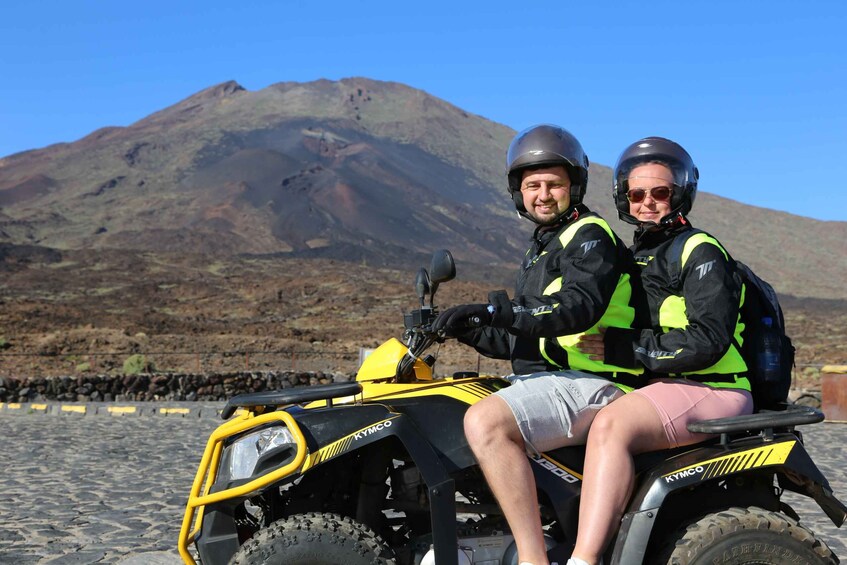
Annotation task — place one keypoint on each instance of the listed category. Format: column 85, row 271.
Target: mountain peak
column 222, row 90
column 195, row 104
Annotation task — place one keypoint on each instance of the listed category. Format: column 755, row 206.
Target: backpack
column 767, row 350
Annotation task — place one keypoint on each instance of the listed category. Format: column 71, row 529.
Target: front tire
column 738, row 536
column 314, row 539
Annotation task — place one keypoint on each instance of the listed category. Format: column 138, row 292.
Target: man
column 574, row 280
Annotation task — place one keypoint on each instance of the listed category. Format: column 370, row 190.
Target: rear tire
column 738, row 536
column 314, row 539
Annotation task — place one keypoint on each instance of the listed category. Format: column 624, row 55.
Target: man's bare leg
column 496, row 441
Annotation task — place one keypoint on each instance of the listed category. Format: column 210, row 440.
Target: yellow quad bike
column 379, row 471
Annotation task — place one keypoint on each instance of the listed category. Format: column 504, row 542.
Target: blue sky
column 754, row 90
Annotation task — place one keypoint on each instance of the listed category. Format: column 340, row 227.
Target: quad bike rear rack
column 763, row 422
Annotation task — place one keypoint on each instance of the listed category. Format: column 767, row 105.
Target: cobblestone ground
column 112, row 489
column 95, row 489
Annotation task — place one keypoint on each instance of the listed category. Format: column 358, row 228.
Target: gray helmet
column 546, row 146
column 665, row 152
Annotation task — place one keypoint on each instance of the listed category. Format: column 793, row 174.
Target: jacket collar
column 650, row 234
column 544, row 232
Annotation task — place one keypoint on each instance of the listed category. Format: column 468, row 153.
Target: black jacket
column 693, row 327
column 588, row 269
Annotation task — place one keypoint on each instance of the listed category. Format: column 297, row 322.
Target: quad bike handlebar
column 418, row 338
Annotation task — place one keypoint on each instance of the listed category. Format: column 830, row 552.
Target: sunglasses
column 657, row 193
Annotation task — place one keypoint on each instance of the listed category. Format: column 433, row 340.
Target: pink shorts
column 678, row 402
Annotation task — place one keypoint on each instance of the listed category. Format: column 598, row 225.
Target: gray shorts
column 555, row 409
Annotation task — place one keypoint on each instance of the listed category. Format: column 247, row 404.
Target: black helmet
column 546, row 145
column 665, row 152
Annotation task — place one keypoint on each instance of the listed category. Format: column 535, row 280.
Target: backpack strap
column 675, row 253
column 675, row 266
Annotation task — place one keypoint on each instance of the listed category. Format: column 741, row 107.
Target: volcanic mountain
column 357, row 170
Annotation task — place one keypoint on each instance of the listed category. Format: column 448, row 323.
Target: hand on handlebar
column 498, row 313
column 458, row 319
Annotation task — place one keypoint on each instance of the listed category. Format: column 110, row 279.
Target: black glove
column 457, row 319
column 504, row 314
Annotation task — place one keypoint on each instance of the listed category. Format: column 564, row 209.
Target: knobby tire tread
column 746, row 525
column 318, row 533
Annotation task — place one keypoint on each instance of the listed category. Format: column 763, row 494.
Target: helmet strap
column 570, row 215
column 576, row 193
column 517, row 198
column 673, row 219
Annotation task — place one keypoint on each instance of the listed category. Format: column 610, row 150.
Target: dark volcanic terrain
column 79, row 312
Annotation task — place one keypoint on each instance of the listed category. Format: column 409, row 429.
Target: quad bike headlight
column 244, row 454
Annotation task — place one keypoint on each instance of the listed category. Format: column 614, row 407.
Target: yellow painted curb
column 121, row 409
column 174, row 410
column 38, row 406
column 14, row 406
column 77, row 409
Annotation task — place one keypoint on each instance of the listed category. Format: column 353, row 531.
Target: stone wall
column 107, row 388
column 182, row 386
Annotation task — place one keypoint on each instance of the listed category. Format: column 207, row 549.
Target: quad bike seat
column 297, row 395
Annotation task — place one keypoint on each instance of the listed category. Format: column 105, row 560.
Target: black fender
column 558, row 477
column 331, row 433
column 782, row 454
column 440, row 485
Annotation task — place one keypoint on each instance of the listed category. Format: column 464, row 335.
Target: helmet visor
column 679, row 174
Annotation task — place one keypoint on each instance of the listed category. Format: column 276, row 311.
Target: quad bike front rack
column 250, row 417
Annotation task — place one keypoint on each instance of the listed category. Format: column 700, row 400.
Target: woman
column 689, row 354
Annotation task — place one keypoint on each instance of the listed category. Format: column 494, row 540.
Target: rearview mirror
column 442, row 268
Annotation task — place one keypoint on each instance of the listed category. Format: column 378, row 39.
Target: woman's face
column 648, row 178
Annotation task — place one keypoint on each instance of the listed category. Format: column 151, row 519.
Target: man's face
column 546, row 193
column 642, row 182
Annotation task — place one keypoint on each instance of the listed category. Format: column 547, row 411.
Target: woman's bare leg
column 624, row 428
